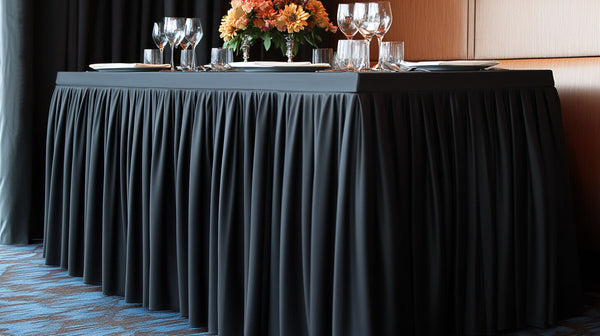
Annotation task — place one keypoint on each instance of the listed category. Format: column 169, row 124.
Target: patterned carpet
column 36, row 299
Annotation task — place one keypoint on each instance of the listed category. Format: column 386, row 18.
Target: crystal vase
column 246, row 39
column 289, row 47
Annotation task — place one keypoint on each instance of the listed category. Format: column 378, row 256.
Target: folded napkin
column 100, row 66
column 269, row 64
column 458, row 63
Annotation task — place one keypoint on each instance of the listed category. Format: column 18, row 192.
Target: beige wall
column 536, row 28
column 495, row 29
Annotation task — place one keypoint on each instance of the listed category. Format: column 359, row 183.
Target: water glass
column 152, row 56
column 220, row 58
column 322, row 56
column 187, row 59
column 351, row 55
column 391, row 55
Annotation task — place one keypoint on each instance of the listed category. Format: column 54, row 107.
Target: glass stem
column 368, row 60
column 194, row 67
column 378, row 65
column 172, row 58
column 162, row 60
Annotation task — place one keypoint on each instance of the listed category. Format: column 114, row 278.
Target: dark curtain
column 40, row 38
column 15, row 126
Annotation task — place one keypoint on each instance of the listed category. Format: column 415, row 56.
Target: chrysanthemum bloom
column 238, row 17
column 250, row 5
column 234, row 20
column 226, row 29
column 265, row 9
column 320, row 16
column 292, row 17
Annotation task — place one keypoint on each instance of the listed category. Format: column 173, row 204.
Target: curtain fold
column 16, row 126
column 40, row 38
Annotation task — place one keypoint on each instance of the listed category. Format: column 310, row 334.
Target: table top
column 311, row 81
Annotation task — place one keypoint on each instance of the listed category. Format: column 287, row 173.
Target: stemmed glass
column 345, row 21
column 158, row 35
column 385, row 21
column 367, row 19
column 193, row 33
column 174, row 33
column 184, row 43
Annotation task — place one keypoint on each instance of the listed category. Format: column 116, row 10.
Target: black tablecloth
column 317, row 203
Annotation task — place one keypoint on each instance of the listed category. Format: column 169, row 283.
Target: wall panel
column 430, row 29
column 536, row 28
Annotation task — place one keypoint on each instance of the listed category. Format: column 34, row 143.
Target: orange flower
column 234, row 20
column 265, row 10
column 227, row 30
column 320, row 16
column 332, row 28
column 293, row 18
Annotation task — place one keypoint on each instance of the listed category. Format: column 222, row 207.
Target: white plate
column 463, row 65
column 129, row 67
column 279, row 66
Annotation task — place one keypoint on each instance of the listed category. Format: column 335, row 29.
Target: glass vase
column 246, row 39
column 289, row 47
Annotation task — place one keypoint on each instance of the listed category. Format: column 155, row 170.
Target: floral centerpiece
column 286, row 24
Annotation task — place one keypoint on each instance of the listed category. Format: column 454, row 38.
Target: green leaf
column 267, row 41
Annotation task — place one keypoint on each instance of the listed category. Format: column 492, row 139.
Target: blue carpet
column 36, row 299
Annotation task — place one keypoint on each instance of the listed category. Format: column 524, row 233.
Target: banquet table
column 273, row 203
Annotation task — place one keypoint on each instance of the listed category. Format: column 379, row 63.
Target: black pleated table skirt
column 317, row 203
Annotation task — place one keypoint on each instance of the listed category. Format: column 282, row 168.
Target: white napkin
column 457, row 63
column 269, row 64
column 97, row 66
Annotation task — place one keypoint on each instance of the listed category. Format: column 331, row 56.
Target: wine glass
column 184, row 43
column 174, row 33
column 345, row 21
column 193, row 33
column 367, row 20
column 385, row 21
column 158, row 35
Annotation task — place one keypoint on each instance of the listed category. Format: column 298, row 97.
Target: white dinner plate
column 129, row 67
column 461, row 65
column 279, row 66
